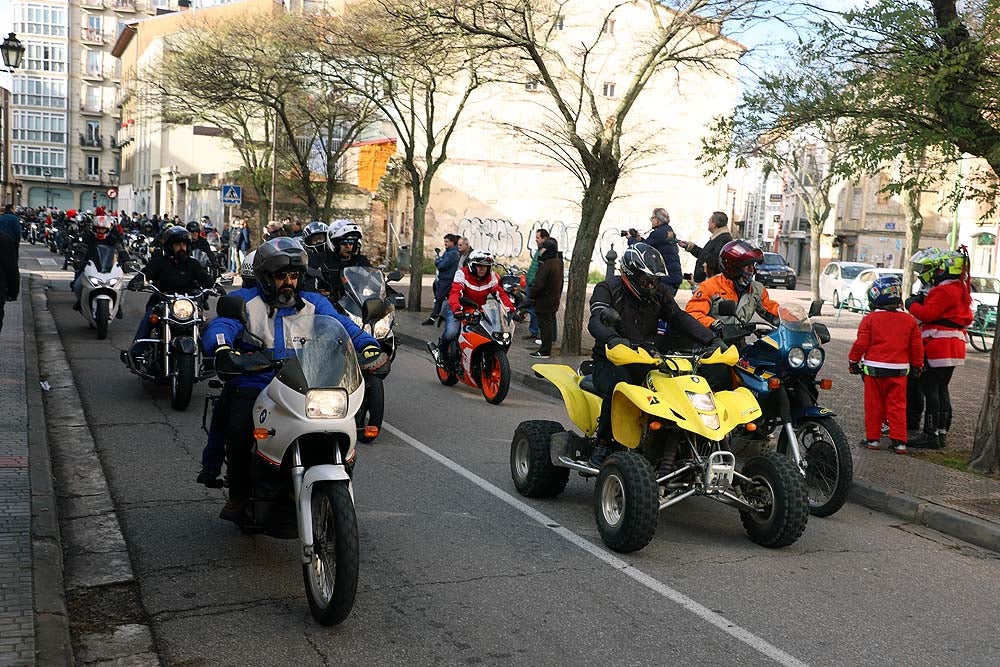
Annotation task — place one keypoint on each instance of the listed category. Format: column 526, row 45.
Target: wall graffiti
column 501, row 237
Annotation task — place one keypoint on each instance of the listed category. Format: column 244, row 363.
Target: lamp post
column 48, row 191
column 12, row 50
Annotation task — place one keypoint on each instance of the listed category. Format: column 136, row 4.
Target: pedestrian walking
column 707, row 263
column 887, row 349
column 446, row 265
column 945, row 312
column 546, row 294
column 665, row 241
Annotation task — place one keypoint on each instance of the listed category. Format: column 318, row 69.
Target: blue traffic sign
column 232, row 194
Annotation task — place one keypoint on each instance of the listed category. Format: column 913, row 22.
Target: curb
column 945, row 520
column 53, row 646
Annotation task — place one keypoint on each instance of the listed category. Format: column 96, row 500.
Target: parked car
column 856, row 297
column 985, row 290
column 836, row 277
column 775, row 272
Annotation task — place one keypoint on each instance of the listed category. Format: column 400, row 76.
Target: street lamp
column 13, row 51
column 48, row 192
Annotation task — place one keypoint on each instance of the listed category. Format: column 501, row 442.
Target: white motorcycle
column 101, row 289
column 303, row 457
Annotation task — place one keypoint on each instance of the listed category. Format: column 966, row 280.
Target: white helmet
column 246, row 269
column 481, row 258
column 341, row 230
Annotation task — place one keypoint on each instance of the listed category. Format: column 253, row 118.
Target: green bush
column 594, row 277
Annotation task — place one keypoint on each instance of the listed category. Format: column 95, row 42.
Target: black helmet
column 280, row 254
column 174, row 235
column 642, row 266
column 194, row 227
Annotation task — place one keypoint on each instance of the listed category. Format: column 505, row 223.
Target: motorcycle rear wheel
column 494, row 379
column 102, row 318
column 182, row 382
column 446, row 377
column 780, row 491
column 331, row 578
column 626, row 502
column 829, row 464
column 373, row 408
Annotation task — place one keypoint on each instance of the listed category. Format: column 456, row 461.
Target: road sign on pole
column 232, row 194
column 112, row 193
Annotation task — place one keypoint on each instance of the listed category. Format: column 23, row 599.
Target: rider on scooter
column 474, row 282
column 100, row 234
column 641, row 300
column 278, row 267
column 172, row 272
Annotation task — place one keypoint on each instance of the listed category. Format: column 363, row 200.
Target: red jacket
column 944, row 315
column 472, row 288
column 888, row 343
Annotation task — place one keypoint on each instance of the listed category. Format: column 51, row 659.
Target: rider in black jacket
column 200, row 242
column 344, row 250
column 641, row 300
column 101, row 234
column 172, row 272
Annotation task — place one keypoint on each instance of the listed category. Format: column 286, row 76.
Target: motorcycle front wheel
column 373, row 408
column 331, row 577
column 494, row 380
column 102, row 317
column 182, row 382
column 829, row 467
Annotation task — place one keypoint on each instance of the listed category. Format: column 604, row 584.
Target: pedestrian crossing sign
column 232, row 194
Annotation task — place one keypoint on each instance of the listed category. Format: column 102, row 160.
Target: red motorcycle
column 480, row 359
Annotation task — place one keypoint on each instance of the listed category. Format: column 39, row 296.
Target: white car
column 856, row 296
column 836, row 277
column 985, row 290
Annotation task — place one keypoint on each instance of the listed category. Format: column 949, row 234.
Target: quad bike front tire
column 626, row 502
column 780, row 491
column 530, row 464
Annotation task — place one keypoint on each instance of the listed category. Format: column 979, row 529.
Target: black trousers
column 239, row 438
column 546, row 331
column 914, row 403
column 606, row 376
column 935, row 382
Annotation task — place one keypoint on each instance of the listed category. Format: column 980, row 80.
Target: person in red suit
column 945, row 312
column 887, row 349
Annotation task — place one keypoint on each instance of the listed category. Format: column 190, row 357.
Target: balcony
column 92, row 108
column 91, row 36
column 90, row 141
column 93, row 4
column 122, row 6
column 92, row 73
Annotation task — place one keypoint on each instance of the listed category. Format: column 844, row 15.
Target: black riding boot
column 943, row 423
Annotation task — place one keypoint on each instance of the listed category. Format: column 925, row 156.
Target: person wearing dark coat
column 665, row 241
column 10, row 277
column 707, row 264
column 546, row 292
column 446, row 265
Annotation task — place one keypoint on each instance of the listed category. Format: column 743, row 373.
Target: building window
column 94, row 63
column 94, row 22
column 93, row 166
column 609, row 27
column 38, row 126
column 38, row 91
column 40, row 20
column 92, row 99
column 532, row 84
column 35, row 160
column 609, row 89
column 560, row 22
column 45, row 57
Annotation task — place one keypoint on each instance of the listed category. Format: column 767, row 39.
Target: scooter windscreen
column 105, row 260
column 794, row 317
column 363, row 283
column 320, row 355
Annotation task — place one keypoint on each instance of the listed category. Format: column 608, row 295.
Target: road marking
column 703, row 612
column 45, row 261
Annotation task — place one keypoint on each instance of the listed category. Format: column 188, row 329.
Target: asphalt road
column 458, row 570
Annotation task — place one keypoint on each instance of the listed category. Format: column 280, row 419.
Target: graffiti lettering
column 501, row 237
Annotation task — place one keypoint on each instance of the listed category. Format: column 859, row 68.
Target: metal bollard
column 610, row 258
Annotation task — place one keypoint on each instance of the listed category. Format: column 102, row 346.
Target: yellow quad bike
column 674, row 424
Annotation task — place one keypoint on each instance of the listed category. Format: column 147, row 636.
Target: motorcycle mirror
column 467, row 302
column 232, row 307
column 727, row 307
column 372, row 310
column 393, row 276
column 822, row 332
column 610, row 318
column 815, row 308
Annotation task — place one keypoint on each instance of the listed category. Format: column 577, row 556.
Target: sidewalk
column 959, row 504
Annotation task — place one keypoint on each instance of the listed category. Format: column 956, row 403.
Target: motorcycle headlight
column 383, row 327
column 711, row 421
column 815, row 358
column 112, row 282
column 701, row 402
column 796, row 357
column 94, row 281
column 182, row 309
column 326, row 403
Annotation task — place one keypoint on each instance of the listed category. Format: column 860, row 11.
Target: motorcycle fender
column 812, row 412
column 632, row 405
column 184, row 345
column 320, row 473
column 582, row 407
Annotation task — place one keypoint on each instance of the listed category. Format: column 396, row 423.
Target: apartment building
column 64, row 117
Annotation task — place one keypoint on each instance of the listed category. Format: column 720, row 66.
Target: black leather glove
column 716, row 327
column 617, row 340
column 916, row 371
column 916, row 298
column 372, row 358
column 854, row 368
column 713, row 345
column 137, row 282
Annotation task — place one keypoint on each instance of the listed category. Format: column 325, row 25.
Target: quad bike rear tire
column 530, row 464
column 782, row 490
column 626, row 502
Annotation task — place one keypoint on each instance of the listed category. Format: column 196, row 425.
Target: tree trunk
column 914, row 226
column 417, row 250
column 815, row 234
column 986, row 443
column 596, row 199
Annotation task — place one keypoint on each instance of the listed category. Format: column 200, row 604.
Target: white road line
column 721, row 622
column 45, row 261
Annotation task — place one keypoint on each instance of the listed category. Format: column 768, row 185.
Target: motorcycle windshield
column 321, row 355
column 363, row 283
column 105, row 259
column 201, row 257
column 494, row 319
column 794, row 317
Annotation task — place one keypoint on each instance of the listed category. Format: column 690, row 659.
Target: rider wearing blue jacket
column 279, row 266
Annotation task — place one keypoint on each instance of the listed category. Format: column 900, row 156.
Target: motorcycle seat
column 587, row 384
